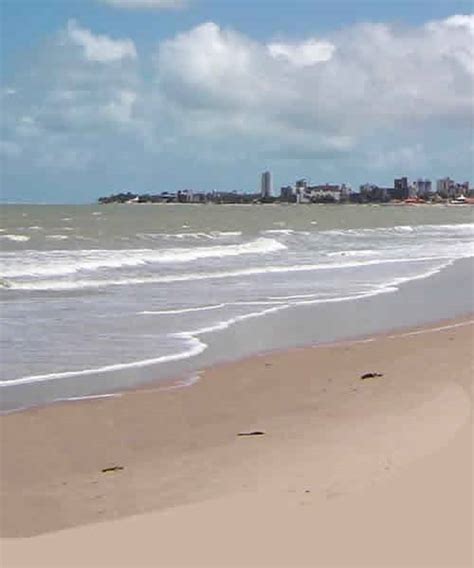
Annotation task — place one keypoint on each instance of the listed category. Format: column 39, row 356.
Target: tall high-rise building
column 266, row 186
column 422, row 187
column 445, row 187
column 400, row 188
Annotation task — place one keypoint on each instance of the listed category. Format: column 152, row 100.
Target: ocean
column 96, row 299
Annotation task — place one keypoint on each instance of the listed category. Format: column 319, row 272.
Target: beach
column 329, row 469
column 236, row 284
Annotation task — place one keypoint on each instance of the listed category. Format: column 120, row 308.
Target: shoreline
column 331, row 444
column 186, row 381
column 418, row 302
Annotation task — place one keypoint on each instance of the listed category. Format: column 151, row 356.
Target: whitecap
column 16, row 238
column 278, row 231
column 63, row 263
column 86, row 284
column 355, row 253
column 226, row 233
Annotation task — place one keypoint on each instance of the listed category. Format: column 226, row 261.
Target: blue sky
column 100, row 96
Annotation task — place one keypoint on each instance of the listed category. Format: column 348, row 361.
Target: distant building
column 400, row 189
column 326, row 193
column 301, row 187
column 422, row 188
column 448, row 188
column 288, row 194
column 266, row 185
column 370, row 192
column 346, row 191
column 445, row 187
column 185, row 196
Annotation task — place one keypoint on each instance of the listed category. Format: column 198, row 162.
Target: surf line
column 198, row 348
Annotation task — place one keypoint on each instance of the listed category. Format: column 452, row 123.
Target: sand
column 348, row 472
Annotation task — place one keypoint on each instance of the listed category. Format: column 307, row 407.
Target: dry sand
column 348, row 472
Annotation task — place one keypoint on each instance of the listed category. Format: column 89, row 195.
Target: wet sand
column 346, row 472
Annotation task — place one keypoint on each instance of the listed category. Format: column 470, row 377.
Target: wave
column 212, row 235
column 196, row 348
column 401, row 230
column 385, row 288
column 179, row 311
column 225, row 324
column 17, row 238
column 183, row 310
column 88, row 397
column 61, row 285
column 355, row 253
column 64, row 263
column 255, row 303
column 50, row 270
column 192, row 337
column 226, row 233
column 292, row 297
column 280, row 231
column 169, row 236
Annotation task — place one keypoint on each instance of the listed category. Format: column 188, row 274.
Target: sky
column 103, row 96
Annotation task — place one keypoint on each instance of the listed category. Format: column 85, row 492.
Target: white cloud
column 100, row 48
column 302, row 54
column 211, row 66
column 377, row 95
column 76, row 111
column 457, row 21
column 454, row 39
column 121, row 108
column 146, row 4
column 370, row 76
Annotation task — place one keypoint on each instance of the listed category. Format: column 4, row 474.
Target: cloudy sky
column 99, row 96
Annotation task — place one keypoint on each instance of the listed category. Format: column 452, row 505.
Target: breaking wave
column 63, row 263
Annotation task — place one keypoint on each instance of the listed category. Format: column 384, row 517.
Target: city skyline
column 421, row 190
column 101, row 95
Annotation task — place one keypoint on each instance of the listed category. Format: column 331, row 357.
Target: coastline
column 418, row 302
column 332, row 444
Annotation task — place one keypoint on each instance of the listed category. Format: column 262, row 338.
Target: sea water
column 95, row 298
